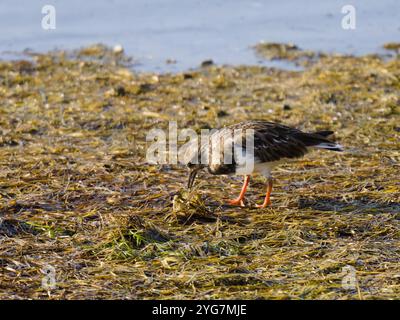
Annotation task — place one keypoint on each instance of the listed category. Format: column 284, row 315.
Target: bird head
column 191, row 156
column 193, row 170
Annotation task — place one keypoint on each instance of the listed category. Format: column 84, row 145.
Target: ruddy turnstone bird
column 270, row 144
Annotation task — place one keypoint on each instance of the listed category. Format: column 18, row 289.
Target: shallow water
column 189, row 32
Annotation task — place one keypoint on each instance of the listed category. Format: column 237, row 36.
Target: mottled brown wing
column 275, row 144
column 273, row 141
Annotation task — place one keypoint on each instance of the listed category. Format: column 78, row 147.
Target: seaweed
column 77, row 194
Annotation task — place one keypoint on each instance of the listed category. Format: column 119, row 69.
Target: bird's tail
column 325, row 143
column 329, row 146
column 319, row 140
column 324, row 133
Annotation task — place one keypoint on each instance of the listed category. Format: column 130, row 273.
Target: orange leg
column 239, row 200
column 267, row 200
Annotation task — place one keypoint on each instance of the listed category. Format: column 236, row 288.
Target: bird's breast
column 263, row 168
column 222, row 168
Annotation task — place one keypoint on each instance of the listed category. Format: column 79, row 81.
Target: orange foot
column 264, row 205
column 236, row 202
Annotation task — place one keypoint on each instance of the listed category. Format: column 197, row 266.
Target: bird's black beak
column 192, row 177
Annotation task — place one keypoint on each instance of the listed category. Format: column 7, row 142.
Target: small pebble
column 207, row 63
column 118, row 49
